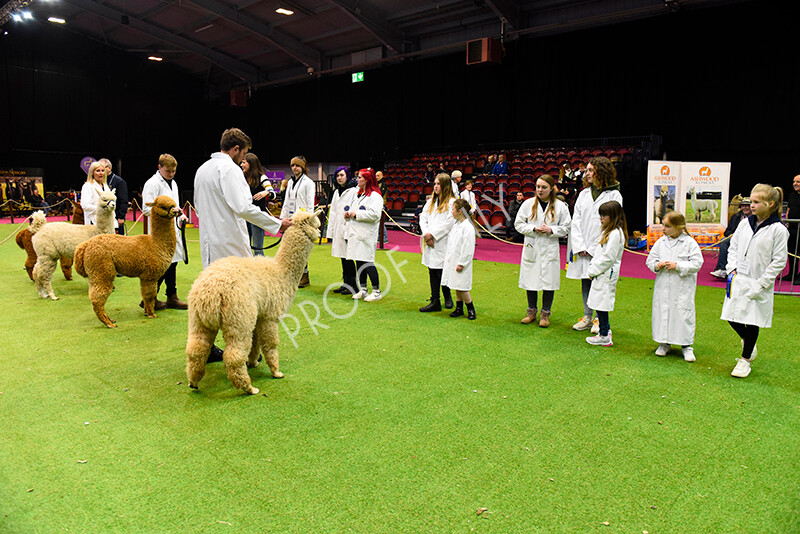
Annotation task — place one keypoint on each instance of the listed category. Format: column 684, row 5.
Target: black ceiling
column 247, row 44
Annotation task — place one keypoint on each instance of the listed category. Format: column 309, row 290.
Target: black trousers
column 169, row 280
column 749, row 333
column 435, row 278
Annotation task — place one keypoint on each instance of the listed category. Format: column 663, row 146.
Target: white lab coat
column 155, row 187
column 438, row 224
column 336, row 220
column 604, row 269
column 223, row 202
column 361, row 233
column 90, row 194
column 540, row 265
column 673, row 318
column 584, row 233
column 299, row 196
column 460, row 251
column 469, row 196
column 758, row 259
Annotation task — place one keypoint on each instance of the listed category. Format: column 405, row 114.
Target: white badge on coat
column 291, row 205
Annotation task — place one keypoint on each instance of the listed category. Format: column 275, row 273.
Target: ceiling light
column 16, row 17
column 155, row 58
column 27, row 15
column 284, row 11
column 198, row 30
column 56, row 20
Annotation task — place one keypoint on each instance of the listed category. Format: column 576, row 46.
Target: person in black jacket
column 116, row 182
column 744, row 212
column 794, row 246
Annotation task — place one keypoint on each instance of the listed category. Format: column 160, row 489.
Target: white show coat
column 540, row 265
column 604, row 269
column 361, row 233
column 336, row 220
column 758, row 258
column 673, row 292
column 460, row 251
column 299, row 196
column 223, row 202
column 469, row 196
column 155, row 187
column 438, row 224
column 90, row 194
column 584, row 233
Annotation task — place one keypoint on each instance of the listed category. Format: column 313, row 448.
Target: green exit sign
column 358, row 77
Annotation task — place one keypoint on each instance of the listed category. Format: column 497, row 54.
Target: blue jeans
column 256, row 238
column 722, row 260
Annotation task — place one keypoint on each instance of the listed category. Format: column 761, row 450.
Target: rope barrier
column 14, row 232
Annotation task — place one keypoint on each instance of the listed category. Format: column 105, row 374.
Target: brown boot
column 545, row 320
column 173, row 302
column 304, row 281
column 159, row 305
column 528, row 319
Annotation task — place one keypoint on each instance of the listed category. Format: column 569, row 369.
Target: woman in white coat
column 435, row 222
column 96, row 181
column 341, row 200
column 457, row 269
column 361, row 225
column 542, row 220
column 676, row 259
column 604, row 268
column 584, row 231
column 756, row 257
column 299, row 196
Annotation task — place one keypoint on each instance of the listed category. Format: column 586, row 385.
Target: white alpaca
column 245, row 297
column 53, row 240
column 660, row 205
column 699, row 206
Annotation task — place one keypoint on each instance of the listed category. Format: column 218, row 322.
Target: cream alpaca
column 145, row 257
column 244, row 297
column 53, row 240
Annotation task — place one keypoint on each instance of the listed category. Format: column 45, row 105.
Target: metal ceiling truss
column 372, row 21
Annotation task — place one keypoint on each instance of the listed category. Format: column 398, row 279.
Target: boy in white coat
column 676, row 260
column 457, row 270
column 756, row 257
column 299, row 196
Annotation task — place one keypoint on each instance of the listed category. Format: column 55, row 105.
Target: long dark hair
column 616, row 219
column 254, row 172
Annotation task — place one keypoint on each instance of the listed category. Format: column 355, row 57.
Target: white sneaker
column 375, row 295
column 688, row 354
column 584, row 323
column 360, row 295
column 604, row 341
column 720, row 273
column 752, row 354
column 742, row 368
column 595, row 326
column 663, row 349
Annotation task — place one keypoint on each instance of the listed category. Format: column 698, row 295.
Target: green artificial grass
column 390, row 420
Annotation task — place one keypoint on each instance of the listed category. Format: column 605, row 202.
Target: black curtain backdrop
column 718, row 84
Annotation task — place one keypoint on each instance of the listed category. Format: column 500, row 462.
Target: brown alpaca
column 25, row 241
column 245, row 297
column 146, row 257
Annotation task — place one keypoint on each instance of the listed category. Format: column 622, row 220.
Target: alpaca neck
column 294, row 252
column 163, row 234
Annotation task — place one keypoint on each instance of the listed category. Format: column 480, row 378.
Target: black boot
column 471, row 311
column 350, row 287
column 433, row 305
column 448, row 300
column 459, row 311
column 216, row 354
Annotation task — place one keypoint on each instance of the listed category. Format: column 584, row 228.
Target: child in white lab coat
column 676, row 259
column 756, row 257
column 457, row 270
column 604, row 268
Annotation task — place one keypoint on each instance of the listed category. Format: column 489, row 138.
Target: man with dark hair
column 116, row 182
column 793, row 199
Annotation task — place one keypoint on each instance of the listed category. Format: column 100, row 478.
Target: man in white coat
column 299, row 196
column 163, row 183
column 223, row 202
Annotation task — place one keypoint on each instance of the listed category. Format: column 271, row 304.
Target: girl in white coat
column 676, row 259
column 604, row 268
column 542, row 220
column 96, row 181
column 361, row 232
column 341, row 200
column 457, row 270
column 435, row 221
column 584, row 234
column 756, row 257
column 299, row 196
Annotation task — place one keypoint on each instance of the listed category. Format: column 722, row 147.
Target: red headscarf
column 371, row 184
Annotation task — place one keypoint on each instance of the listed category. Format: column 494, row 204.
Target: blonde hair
column 441, row 202
column 677, row 220
column 551, row 207
column 462, row 206
column 168, row 161
column 769, row 194
column 90, row 174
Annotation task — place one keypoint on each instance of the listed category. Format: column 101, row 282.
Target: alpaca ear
column 318, row 212
column 150, row 204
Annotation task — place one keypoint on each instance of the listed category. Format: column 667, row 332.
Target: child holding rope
column 457, row 270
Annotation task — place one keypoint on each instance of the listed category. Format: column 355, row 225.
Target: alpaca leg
column 42, row 273
column 198, row 347
column 255, row 349
column 29, row 263
column 98, row 294
column 237, row 348
column 66, row 266
column 149, row 288
column 268, row 337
